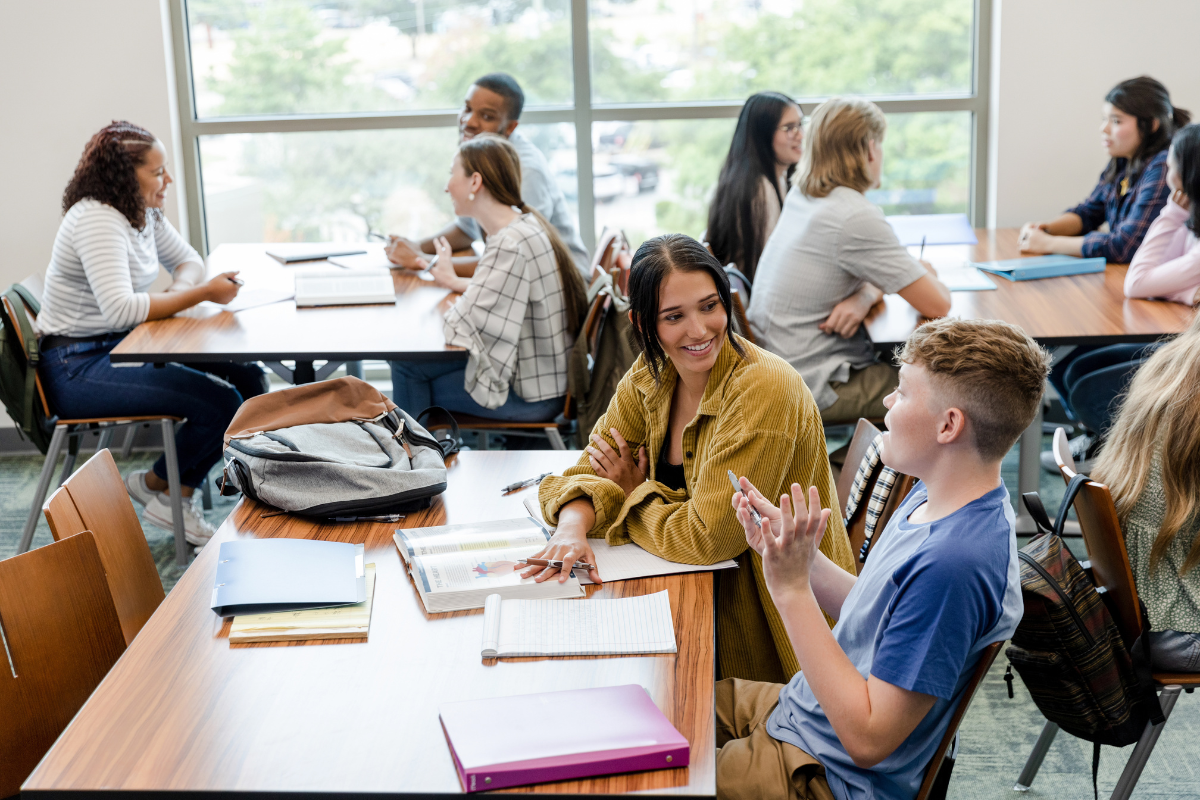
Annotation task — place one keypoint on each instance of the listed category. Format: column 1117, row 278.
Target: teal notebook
column 1028, row 269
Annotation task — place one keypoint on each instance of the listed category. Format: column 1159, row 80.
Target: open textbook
column 628, row 625
column 622, row 562
column 456, row 567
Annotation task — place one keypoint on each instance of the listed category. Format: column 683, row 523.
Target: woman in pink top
column 1167, row 265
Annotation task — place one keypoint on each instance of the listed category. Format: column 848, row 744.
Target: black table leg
column 304, row 373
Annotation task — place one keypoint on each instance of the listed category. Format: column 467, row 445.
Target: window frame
column 582, row 114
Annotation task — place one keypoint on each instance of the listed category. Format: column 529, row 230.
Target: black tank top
column 669, row 475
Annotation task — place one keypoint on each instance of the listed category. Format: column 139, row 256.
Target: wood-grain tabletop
column 409, row 330
column 1074, row 309
column 183, row 711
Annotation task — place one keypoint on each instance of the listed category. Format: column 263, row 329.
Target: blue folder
column 1028, row 269
column 256, row 576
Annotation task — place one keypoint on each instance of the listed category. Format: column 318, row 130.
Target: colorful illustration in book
column 494, row 569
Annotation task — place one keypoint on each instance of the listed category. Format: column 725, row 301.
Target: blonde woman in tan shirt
column 700, row 401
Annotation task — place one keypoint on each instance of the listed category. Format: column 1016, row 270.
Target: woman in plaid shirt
column 519, row 313
column 1139, row 122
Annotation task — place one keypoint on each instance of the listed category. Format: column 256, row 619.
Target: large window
column 308, row 120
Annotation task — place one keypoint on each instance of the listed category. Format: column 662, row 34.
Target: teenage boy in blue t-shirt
column 875, row 695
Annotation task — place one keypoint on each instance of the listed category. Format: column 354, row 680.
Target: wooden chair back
column 607, row 257
column 593, row 325
column 856, row 526
column 1105, row 542
column 62, row 636
column 935, row 764
column 94, row 499
column 37, row 378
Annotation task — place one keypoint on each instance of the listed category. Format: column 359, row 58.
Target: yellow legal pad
column 341, row 622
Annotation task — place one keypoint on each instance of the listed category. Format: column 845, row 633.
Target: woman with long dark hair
column 519, row 313
column 766, row 147
column 1138, row 123
column 700, row 401
column 107, row 253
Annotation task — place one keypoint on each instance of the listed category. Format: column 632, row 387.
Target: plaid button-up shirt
column 512, row 319
column 1127, row 213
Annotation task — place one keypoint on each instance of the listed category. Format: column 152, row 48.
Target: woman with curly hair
column 110, row 244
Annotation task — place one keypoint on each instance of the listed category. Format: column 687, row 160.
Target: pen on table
column 541, row 562
column 512, row 487
column 922, row 249
column 376, row 518
column 737, row 487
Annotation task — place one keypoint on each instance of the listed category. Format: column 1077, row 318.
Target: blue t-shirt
column 929, row 600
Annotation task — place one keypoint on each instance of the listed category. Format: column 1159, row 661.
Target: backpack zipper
column 1031, row 561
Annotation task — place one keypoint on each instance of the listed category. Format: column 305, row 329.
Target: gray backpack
column 333, row 449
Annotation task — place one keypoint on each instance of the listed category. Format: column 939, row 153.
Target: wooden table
column 1074, row 309
column 1071, row 310
column 411, row 330
column 182, row 711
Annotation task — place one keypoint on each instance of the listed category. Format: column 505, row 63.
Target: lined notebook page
column 625, row 626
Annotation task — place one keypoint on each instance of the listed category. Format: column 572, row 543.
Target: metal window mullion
column 581, row 68
column 981, row 85
column 186, row 98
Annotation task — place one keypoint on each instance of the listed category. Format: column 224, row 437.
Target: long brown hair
column 1160, row 413
column 107, row 171
column 497, row 162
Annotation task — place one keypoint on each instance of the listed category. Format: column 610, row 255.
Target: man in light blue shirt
column 493, row 105
column 875, row 695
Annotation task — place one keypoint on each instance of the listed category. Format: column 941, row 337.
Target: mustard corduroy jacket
column 757, row 418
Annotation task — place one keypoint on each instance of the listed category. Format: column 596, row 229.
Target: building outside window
column 317, row 121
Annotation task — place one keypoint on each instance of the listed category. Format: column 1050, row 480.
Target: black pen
column 512, row 487
column 922, row 249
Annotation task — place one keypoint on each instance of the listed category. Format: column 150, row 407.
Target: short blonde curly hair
column 989, row 369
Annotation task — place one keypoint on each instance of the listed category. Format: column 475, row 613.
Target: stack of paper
column 260, row 576
column 345, row 288
column 342, row 622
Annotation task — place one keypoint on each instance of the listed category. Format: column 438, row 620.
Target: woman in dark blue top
column 1139, row 122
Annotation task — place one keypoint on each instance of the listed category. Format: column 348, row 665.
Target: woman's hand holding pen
column 568, row 545
column 441, row 268
column 619, row 466
column 223, row 288
column 766, row 510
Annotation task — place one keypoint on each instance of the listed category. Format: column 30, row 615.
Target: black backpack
column 1067, row 649
column 18, row 368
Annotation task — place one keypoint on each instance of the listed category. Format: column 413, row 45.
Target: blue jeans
column 80, row 382
column 1091, row 381
column 1175, row 651
column 418, row 385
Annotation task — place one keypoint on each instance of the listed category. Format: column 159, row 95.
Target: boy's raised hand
column 788, row 555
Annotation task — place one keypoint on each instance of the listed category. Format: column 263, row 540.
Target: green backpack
column 18, row 367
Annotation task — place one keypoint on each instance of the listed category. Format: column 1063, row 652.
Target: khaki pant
column 862, row 395
column 750, row 763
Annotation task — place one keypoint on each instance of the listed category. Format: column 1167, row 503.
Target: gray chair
column 69, row 433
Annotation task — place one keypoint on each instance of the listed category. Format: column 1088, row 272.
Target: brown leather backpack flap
column 339, row 400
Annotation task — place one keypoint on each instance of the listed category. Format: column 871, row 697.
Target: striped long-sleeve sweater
column 102, row 268
column 757, row 418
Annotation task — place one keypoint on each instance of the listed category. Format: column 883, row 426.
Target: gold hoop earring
column 471, row 196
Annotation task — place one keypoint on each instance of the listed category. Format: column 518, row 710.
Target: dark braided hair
column 107, row 171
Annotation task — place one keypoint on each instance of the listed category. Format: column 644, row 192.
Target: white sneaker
column 196, row 529
column 135, row 484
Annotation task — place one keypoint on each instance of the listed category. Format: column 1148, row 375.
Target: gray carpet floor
column 996, row 735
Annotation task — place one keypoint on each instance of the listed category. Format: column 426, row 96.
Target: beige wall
column 1057, row 61
column 67, row 68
